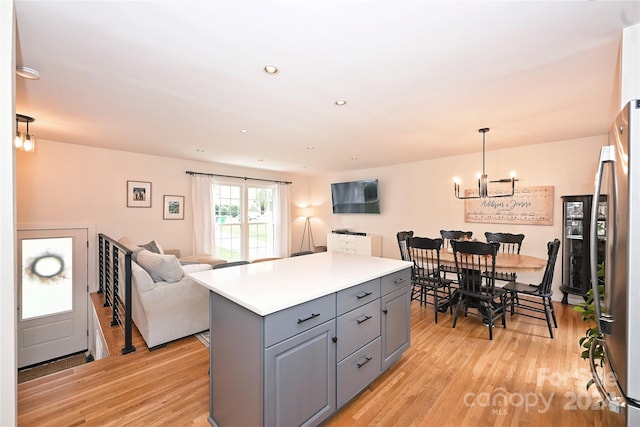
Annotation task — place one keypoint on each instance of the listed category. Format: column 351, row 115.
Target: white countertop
column 267, row 287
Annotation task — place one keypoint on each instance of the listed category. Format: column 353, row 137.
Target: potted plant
column 587, row 311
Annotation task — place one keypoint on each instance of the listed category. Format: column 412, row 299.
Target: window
column 244, row 221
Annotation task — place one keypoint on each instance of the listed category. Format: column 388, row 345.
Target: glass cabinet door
column 576, row 278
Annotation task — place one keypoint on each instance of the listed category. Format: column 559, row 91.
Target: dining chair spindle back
column 427, row 275
column 476, row 266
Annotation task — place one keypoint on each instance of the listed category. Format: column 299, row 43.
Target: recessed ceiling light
column 341, row 102
column 354, row 158
column 200, row 150
column 28, row 73
column 271, row 69
column 244, row 131
column 310, row 147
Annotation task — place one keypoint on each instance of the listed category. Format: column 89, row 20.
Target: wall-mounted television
column 355, row 197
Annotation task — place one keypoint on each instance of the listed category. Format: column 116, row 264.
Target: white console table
column 293, row 340
column 369, row 245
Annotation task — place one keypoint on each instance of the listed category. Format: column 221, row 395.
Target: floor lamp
column 307, row 213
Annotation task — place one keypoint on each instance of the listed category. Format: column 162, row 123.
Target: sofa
column 166, row 303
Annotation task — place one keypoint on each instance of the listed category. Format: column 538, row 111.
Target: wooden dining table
column 505, row 262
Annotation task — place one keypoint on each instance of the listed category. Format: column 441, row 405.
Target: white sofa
column 166, row 303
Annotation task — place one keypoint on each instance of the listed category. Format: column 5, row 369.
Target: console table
column 370, row 245
column 293, row 340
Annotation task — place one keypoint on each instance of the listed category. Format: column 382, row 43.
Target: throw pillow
column 161, row 268
column 153, row 246
column 129, row 244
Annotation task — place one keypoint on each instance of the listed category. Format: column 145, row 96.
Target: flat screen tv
column 355, row 197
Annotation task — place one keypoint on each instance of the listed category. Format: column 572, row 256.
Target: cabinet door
column 576, row 270
column 395, row 325
column 300, row 378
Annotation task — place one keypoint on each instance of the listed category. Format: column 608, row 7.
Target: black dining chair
column 447, row 237
column 478, row 290
column 402, row 237
column 301, row 253
column 426, row 273
column 229, row 264
column 509, row 244
column 526, row 298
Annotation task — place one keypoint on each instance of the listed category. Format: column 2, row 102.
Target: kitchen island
column 293, row 340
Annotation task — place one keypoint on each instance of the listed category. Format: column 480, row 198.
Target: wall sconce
column 24, row 140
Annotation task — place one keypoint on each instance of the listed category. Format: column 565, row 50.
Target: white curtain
column 203, row 215
column 282, row 212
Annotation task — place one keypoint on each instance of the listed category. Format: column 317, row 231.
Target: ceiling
column 420, row 78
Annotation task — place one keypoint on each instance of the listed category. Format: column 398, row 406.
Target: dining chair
column 536, row 298
column 264, row 259
column 478, row 290
column 447, row 237
column 301, row 253
column 402, row 237
column 229, row 264
column 426, row 273
column 509, row 244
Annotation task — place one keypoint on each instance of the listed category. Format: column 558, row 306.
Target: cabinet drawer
column 358, row 327
column 356, row 296
column 357, row 371
column 396, row 280
column 291, row 321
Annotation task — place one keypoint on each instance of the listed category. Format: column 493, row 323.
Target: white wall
column 419, row 196
column 8, row 366
column 630, row 65
column 65, row 184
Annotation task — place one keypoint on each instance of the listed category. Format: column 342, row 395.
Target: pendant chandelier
column 483, row 180
column 24, row 140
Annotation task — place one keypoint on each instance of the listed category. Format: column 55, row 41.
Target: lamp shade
column 307, row 212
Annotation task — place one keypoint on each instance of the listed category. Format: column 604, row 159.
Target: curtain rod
column 239, row 177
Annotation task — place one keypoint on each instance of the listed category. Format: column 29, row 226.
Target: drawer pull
column 363, row 320
column 366, row 294
column 366, row 360
column 398, row 281
column 385, row 311
column 313, row 316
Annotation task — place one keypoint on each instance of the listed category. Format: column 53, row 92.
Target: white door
column 52, row 294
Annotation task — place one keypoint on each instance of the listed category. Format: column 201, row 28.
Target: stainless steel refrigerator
column 619, row 313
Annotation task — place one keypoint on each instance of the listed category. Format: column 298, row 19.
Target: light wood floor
column 448, row 377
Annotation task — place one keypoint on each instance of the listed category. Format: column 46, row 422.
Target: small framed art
column 138, row 194
column 173, row 207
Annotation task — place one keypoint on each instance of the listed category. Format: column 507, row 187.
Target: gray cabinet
column 298, row 365
column 396, row 325
column 300, row 378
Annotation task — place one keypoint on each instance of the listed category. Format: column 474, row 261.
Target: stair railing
column 110, row 278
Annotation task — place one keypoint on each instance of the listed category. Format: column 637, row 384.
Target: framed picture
column 173, row 207
column 138, row 194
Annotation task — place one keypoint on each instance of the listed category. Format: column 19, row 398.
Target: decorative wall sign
column 529, row 205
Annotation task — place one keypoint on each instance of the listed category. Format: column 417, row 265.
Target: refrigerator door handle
column 607, row 155
column 615, row 404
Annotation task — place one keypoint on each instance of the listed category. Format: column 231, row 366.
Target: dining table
column 505, row 262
